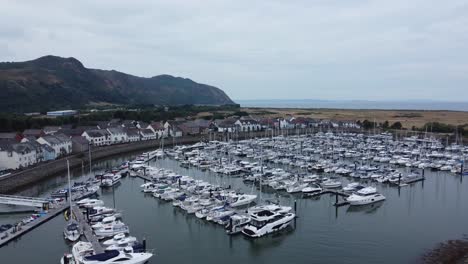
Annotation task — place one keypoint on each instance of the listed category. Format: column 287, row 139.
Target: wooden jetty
column 19, row 230
column 325, row 191
column 10, row 235
column 337, row 194
column 146, row 178
column 87, row 230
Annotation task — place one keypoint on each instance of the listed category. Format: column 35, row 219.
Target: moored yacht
column 72, row 231
column 266, row 222
column 243, row 199
column 366, row 195
column 236, row 223
column 110, row 180
column 119, row 239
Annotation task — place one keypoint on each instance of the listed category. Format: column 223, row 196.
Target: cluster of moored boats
column 343, row 153
column 306, row 164
column 107, row 226
column 236, row 211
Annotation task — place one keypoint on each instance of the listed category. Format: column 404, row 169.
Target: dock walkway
column 54, row 210
column 337, row 193
column 325, row 191
column 87, row 230
column 8, row 235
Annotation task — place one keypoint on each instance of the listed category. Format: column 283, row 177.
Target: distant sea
column 357, row 104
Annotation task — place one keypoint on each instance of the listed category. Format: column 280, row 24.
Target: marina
column 314, row 176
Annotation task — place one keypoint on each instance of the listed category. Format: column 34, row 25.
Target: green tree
column 385, row 124
column 396, row 125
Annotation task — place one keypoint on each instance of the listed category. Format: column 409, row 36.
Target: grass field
column 408, row 118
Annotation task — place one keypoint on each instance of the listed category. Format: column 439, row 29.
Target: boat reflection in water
column 271, row 241
column 368, row 208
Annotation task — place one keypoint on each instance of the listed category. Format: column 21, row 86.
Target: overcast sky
column 272, row 49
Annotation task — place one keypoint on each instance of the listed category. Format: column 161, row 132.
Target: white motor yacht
column 125, row 256
column 110, row 180
column 297, row 187
column 236, row 223
column 111, row 230
column 331, row 184
column 266, row 222
column 90, row 203
column 119, row 239
column 366, row 195
column 243, row 199
column 270, row 207
column 107, row 221
column 312, row 189
column 351, row 186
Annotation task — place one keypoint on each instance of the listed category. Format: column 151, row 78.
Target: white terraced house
column 61, row 144
column 248, row 124
column 17, row 155
column 133, row 134
column 158, row 128
column 97, row 137
column 117, row 135
column 147, row 134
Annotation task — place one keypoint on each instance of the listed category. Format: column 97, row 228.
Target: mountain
column 52, row 82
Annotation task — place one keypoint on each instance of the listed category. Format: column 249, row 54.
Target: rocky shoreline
column 451, row 251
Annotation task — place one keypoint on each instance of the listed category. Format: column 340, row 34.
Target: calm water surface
column 411, row 221
column 357, row 104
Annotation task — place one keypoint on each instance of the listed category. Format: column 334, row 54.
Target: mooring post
column 399, row 179
column 336, row 198
column 423, row 172
column 295, row 207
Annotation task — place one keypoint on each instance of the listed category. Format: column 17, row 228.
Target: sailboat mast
column 89, row 153
column 69, row 186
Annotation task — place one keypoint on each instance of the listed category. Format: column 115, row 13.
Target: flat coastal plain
column 408, row 118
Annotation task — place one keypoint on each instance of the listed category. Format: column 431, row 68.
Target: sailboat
column 72, row 230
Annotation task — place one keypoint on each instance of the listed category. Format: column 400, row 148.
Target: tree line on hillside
column 16, row 122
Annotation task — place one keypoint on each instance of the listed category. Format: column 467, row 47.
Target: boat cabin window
column 121, row 259
column 265, row 213
column 257, row 223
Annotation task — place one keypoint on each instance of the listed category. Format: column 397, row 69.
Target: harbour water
column 357, row 104
column 412, row 220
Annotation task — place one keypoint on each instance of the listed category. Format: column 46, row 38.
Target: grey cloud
column 258, row 49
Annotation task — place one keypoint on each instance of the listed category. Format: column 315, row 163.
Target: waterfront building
column 247, row 124
column 79, row 144
column 48, row 153
column 117, row 135
column 158, row 128
column 12, row 137
column 37, row 133
column 97, row 137
column 226, row 125
column 171, row 129
column 147, row 134
column 61, row 144
column 50, row 130
column 17, row 155
column 133, row 134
